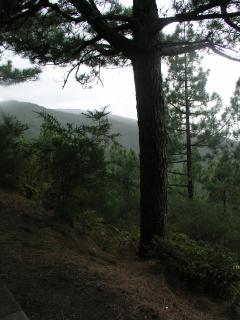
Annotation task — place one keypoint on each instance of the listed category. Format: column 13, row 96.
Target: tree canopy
column 101, row 33
column 10, row 75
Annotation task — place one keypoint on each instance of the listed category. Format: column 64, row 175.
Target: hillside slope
column 27, row 113
column 56, row 274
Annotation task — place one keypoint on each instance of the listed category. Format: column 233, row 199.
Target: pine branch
column 174, row 51
column 114, row 17
column 26, row 11
column 178, row 185
column 178, row 109
column 219, row 52
column 178, row 161
column 10, row 75
column 205, row 44
column 228, row 20
column 177, row 173
column 197, row 15
column 118, row 41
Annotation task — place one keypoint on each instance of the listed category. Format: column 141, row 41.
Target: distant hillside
column 26, row 112
column 117, row 118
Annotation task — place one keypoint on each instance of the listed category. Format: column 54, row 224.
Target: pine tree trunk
column 188, row 134
column 224, row 200
column 153, row 143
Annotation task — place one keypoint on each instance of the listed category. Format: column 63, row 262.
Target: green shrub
column 202, row 220
column 71, row 161
column 107, row 236
column 212, row 269
column 14, row 152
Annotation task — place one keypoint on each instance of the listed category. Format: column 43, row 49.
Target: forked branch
column 228, row 20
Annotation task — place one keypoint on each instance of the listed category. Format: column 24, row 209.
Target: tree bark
column 224, row 200
column 153, row 144
column 190, row 186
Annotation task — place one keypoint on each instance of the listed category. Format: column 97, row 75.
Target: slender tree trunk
column 224, row 200
column 153, row 143
column 188, row 133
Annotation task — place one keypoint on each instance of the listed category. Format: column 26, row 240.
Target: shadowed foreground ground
column 56, row 274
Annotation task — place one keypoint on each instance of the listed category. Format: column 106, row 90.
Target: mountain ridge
column 26, row 112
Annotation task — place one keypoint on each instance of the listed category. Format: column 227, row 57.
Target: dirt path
column 152, row 296
column 54, row 275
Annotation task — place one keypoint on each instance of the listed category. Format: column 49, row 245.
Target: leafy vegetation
column 26, row 113
column 192, row 113
column 10, row 75
column 123, row 191
column 212, row 269
column 71, row 161
column 14, row 151
column 93, row 183
column 205, row 221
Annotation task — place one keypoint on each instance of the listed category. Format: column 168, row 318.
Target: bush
column 72, row 161
column 14, row 152
column 202, row 220
column 108, row 237
column 212, row 269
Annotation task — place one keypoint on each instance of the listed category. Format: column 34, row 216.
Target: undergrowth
column 108, row 237
column 214, row 270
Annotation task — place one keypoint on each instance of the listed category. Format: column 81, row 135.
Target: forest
column 169, row 194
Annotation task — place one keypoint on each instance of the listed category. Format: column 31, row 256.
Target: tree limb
column 177, row 108
column 115, row 17
column 177, row 173
column 181, row 49
column 170, row 51
column 98, row 47
column 218, row 51
column 178, row 161
column 228, row 20
column 163, row 22
column 26, row 11
column 118, row 41
column 195, row 15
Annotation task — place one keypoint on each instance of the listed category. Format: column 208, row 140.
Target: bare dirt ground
column 56, row 274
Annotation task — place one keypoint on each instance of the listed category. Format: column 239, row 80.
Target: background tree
column 122, row 194
column 222, row 175
column 102, row 33
column 14, row 151
column 71, row 161
column 232, row 114
column 193, row 112
column 221, row 179
column 10, row 75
